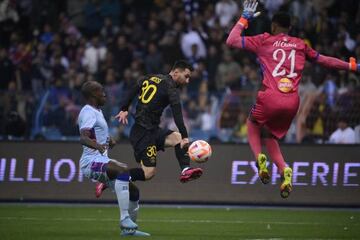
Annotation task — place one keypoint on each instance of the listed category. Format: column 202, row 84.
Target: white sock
column 185, row 169
column 133, row 210
column 122, row 194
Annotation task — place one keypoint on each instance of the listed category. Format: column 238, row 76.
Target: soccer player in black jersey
column 154, row 94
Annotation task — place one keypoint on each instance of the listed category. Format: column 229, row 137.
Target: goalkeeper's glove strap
column 352, row 65
column 243, row 22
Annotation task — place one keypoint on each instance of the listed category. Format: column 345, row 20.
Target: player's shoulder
column 162, row 79
column 154, row 78
column 87, row 110
column 263, row 36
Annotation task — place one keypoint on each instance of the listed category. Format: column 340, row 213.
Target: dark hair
column 88, row 88
column 283, row 19
column 182, row 64
column 344, row 119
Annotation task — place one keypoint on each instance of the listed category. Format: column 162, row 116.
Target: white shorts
column 94, row 167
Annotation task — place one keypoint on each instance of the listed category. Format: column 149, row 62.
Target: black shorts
column 146, row 143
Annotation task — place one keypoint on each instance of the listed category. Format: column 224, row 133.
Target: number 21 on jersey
column 280, row 55
column 148, row 91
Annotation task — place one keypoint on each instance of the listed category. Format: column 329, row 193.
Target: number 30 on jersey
column 147, row 92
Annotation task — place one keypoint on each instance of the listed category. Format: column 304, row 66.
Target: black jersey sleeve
column 179, row 121
column 175, row 104
column 130, row 95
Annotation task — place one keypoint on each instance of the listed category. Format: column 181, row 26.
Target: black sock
column 137, row 174
column 134, row 193
column 182, row 156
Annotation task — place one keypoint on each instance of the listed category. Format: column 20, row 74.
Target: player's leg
column 273, row 148
column 118, row 174
column 254, row 136
column 99, row 189
column 167, row 138
column 173, row 140
column 141, row 141
column 274, row 151
column 133, row 211
column 283, row 112
column 114, row 175
column 147, row 155
column 134, row 201
column 134, row 198
column 147, row 158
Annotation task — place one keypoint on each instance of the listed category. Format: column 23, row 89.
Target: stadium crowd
column 49, row 48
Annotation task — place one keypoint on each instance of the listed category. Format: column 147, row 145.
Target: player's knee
column 177, row 137
column 149, row 173
column 173, row 139
column 115, row 168
column 267, row 134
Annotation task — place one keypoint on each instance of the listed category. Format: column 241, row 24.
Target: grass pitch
column 37, row 222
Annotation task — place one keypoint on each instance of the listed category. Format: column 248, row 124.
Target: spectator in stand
column 240, row 129
column 318, row 120
column 226, row 10
column 154, row 59
column 93, row 18
column 228, row 72
column 191, row 8
column 188, row 40
column 111, row 9
column 122, row 54
column 170, row 46
column 109, row 31
column 330, row 88
column 9, row 17
column 344, row 134
column 94, row 54
column 6, row 69
column 212, row 62
column 47, row 35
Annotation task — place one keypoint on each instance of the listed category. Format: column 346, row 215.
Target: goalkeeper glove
column 353, row 65
column 249, row 12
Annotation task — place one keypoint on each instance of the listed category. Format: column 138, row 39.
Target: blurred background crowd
column 49, row 48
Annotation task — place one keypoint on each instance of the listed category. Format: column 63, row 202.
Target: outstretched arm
column 235, row 39
column 123, row 114
column 335, row 63
column 131, row 94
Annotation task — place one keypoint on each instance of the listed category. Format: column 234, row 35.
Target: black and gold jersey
column 154, row 93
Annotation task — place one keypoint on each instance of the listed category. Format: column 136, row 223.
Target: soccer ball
column 200, row 151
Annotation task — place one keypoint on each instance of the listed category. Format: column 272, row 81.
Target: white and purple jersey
column 93, row 119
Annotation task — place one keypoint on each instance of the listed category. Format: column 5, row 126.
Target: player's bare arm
column 112, row 142
column 124, row 109
column 87, row 141
column 122, row 116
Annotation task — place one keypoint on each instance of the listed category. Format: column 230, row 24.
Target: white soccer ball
column 200, row 151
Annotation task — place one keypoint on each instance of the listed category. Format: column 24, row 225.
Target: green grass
column 36, row 222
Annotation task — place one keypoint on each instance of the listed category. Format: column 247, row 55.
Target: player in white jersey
column 95, row 163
